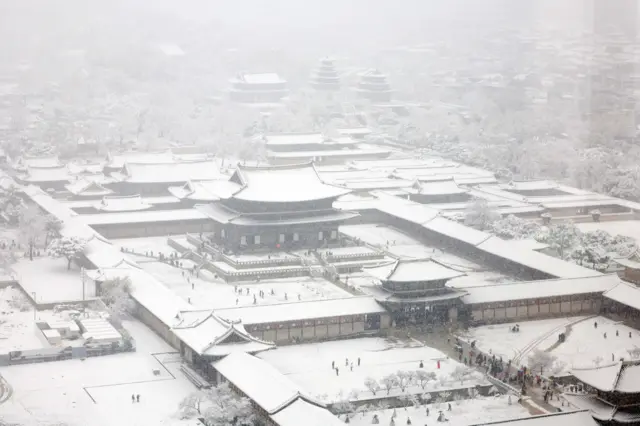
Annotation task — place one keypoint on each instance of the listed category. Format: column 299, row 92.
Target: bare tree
column 404, row 379
column 389, row 382
column 423, row 377
column 372, row 384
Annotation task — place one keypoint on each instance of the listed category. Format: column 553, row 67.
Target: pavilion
column 277, row 207
column 325, row 77
column 415, row 289
column 612, row 392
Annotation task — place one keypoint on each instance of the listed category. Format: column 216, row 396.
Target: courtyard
column 310, row 366
column 97, row 391
column 585, row 344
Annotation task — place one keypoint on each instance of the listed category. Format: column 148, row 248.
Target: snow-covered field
column 463, row 413
column 629, row 228
column 584, row 346
column 50, row 280
column 97, row 391
column 309, row 365
column 210, row 293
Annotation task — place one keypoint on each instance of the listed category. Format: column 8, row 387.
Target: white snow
column 144, row 217
column 584, row 346
column 284, row 184
column 50, row 280
column 208, row 292
column 540, row 289
column 97, row 391
column 298, row 311
column 156, row 245
column 463, row 413
column 629, row 228
column 309, row 365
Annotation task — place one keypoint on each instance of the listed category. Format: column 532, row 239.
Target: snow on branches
column 514, row 228
column 71, row 248
column 115, row 295
column 218, row 406
column 479, row 215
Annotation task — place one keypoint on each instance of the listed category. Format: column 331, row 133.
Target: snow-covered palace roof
column 539, row 289
column 261, row 382
column 622, row 377
column 207, row 334
column 626, row 294
column 283, row 184
column 413, row 270
column 124, row 203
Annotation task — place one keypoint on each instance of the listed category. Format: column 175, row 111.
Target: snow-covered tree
column 31, row 224
column 372, row 384
column 423, row 377
column 389, row 382
column 404, row 379
column 479, row 215
column 71, row 248
column 115, row 293
column 218, row 406
column 561, row 238
column 541, row 361
column 461, row 373
column 514, row 228
column 52, row 227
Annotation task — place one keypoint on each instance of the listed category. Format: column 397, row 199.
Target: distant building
column 415, row 290
column 373, row 85
column 258, row 88
column 276, row 207
column 296, row 148
column 325, row 76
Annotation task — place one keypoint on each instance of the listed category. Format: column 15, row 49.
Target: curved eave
column 247, row 221
column 304, row 199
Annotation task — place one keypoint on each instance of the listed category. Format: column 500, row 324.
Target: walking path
column 534, row 401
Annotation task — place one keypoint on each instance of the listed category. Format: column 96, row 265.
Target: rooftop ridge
column 297, row 303
column 551, row 279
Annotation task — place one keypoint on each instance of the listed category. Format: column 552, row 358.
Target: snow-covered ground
column 309, row 365
column 501, row 341
column 210, row 293
column 50, row 280
column 629, row 228
column 148, row 244
column 18, row 329
column 463, row 413
column 378, row 235
column 584, row 346
column 97, row 391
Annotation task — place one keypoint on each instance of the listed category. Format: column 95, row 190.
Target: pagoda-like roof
column 624, row 293
column 208, row 334
column 283, row 184
column 446, row 186
column 223, row 214
column 604, row 411
column 126, row 203
column 206, row 190
column 621, row 377
column 87, row 187
column 413, row 270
